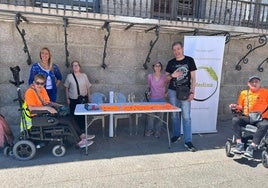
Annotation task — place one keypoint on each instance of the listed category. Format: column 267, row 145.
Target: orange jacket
column 31, row 98
column 254, row 101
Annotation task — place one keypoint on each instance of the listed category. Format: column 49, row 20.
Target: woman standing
column 71, row 91
column 157, row 86
column 49, row 70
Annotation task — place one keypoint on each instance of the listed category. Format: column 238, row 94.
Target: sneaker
column 249, row 151
column 175, row 139
column 157, row 134
column 84, row 143
column 149, row 132
column 239, row 148
column 89, row 136
column 190, row 146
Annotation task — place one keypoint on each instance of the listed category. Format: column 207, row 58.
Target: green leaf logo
column 210, row 71
column 214, row 77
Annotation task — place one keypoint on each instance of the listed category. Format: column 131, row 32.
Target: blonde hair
column 50, row 63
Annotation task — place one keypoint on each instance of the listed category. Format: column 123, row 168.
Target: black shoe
column 175, row 139
column 190, row 146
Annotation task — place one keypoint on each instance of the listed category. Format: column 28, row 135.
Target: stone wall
column 126, row 54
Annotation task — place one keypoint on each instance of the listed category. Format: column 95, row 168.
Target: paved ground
column 137, row 161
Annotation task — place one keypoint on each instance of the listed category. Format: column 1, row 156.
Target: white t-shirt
column 48, row 83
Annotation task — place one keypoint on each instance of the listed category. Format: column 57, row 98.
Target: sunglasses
column 254, row 81
column 39, row 83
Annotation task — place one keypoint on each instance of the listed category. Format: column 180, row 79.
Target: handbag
column 182, row 92
column 255, row 117
column 81, row 99
column 62, row 110
column 147, row 95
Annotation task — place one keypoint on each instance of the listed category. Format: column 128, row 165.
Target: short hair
column 39, row 76
column 75, row 61
column 177, row 43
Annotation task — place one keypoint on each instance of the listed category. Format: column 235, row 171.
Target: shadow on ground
column 123, row 145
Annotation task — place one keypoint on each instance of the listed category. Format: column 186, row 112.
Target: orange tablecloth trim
column 137, row 107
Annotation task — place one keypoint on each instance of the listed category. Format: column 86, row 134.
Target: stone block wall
column 126, row 53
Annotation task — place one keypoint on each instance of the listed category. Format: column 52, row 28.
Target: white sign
column 207, row 52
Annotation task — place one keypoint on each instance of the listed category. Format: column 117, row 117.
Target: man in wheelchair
column 37, row 100
column 255, row 99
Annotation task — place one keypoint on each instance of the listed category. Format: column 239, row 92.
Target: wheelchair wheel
column 228, row 147
column 8, row 151
column 58, row 151
column 24, row 150
column 264, row 158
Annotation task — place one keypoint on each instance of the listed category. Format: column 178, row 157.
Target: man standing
column 181, row 71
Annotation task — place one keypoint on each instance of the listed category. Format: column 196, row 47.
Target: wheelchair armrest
column 250, row 128
column 40, row 112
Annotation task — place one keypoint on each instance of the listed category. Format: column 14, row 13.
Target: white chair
column 98, row 98
column 121, row 98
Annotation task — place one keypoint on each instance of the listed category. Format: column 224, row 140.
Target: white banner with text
column 207, row 52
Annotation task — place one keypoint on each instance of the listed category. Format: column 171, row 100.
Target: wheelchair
column 38, row 131
column 45, row 129
column 247, row 135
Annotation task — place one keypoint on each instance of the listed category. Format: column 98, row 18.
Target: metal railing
column 247, row 13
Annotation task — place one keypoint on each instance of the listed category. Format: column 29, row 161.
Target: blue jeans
column 185, row 114
column 151, row 119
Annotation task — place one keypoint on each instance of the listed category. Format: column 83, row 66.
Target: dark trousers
column 75, row 130
column 80, row 120
column 242, row 121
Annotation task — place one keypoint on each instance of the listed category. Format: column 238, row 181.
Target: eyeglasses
column 157, row 66
column 39, row 83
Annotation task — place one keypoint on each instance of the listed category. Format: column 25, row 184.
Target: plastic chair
column 121, row 98
column 98, row 98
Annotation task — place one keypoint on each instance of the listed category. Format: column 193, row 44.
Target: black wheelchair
column 43, row 129
column 247, row 135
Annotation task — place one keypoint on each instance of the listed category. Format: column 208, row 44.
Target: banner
column 207, row 52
